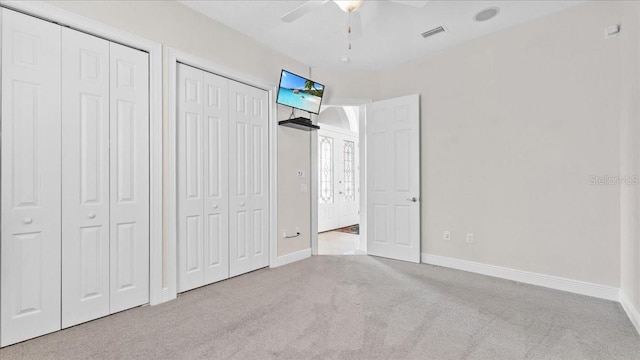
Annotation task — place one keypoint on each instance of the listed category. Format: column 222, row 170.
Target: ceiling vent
column 438, row 30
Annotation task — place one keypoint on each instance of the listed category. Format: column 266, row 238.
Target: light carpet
column 353, row 307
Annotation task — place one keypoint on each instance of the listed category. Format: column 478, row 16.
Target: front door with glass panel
column 338, row 198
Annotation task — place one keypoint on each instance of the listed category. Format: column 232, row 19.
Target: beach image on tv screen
column 301, row 93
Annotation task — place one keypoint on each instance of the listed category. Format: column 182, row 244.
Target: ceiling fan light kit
column 349, row 6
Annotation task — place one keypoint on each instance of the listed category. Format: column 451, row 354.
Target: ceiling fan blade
column 302, row 10
column 356, row 25
column 414, row 3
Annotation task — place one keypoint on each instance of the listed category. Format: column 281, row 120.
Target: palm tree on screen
column 310, row 87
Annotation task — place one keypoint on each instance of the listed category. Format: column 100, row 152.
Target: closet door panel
column 216, row 169
column 248, row 179
column 190, row 178
column 239, row 181
column 30, row 232
column 129, row 177
column 85, row 177
column 260, row 189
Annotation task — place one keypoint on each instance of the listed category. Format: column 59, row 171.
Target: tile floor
column 339, row 243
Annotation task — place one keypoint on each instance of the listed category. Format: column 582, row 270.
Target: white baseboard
column 631, row 311
column 293, row 257
column 553, row 282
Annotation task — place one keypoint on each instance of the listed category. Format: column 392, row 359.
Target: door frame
column 48, row 12
column 361, row 103
column 175, row 57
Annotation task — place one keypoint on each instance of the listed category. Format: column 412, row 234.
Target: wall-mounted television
column 299, row 92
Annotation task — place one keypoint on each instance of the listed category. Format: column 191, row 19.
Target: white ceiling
column 391, row 32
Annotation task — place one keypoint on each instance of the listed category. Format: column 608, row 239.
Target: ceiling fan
column 349, row 6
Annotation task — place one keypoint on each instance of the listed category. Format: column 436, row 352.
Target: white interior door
column 129, row 174
column 393, row 178
column 190, row 175
column 30, row 233
column 203, row 204
column 338, row 195
column 216, row 178
column 85, row 177
column 248, row 179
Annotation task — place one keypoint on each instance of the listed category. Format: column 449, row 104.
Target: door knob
column 92, row 216
column 241, row 204
column 27, row 221
column 215, row 206
column 413, row 199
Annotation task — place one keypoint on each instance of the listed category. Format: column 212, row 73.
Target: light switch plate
column 470, row 238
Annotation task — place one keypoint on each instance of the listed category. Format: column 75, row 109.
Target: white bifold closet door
column 222, row 178
column 85, row 177
column 129, row 177
column 248, row 179
column 75, row 175
column 203, row 209
column 30, row 293
column 105, row 172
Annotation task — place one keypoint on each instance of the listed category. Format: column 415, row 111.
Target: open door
column 393, row 178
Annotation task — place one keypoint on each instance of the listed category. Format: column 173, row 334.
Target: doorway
column 339, row 182
column 389, row 176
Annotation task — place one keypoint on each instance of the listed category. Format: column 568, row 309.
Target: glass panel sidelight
column 326, row 170
column 349, row 171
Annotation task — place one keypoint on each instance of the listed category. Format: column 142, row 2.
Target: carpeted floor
column 353, row 307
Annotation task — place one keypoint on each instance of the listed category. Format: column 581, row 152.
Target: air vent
column 432, row 32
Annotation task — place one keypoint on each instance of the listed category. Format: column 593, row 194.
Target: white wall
column 347, row 87
column 294, row 204
column 177, row 26
column 630, row 156
column 513, row 126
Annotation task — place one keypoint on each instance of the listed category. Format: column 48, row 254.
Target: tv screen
column 300, row 93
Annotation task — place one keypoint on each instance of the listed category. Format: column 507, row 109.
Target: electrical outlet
column 297, row 230
column 611, row 31
column 446, row 236
column 284, row 234
column 469, row 238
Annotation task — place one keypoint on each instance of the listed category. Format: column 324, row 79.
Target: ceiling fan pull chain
column 349, row 30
